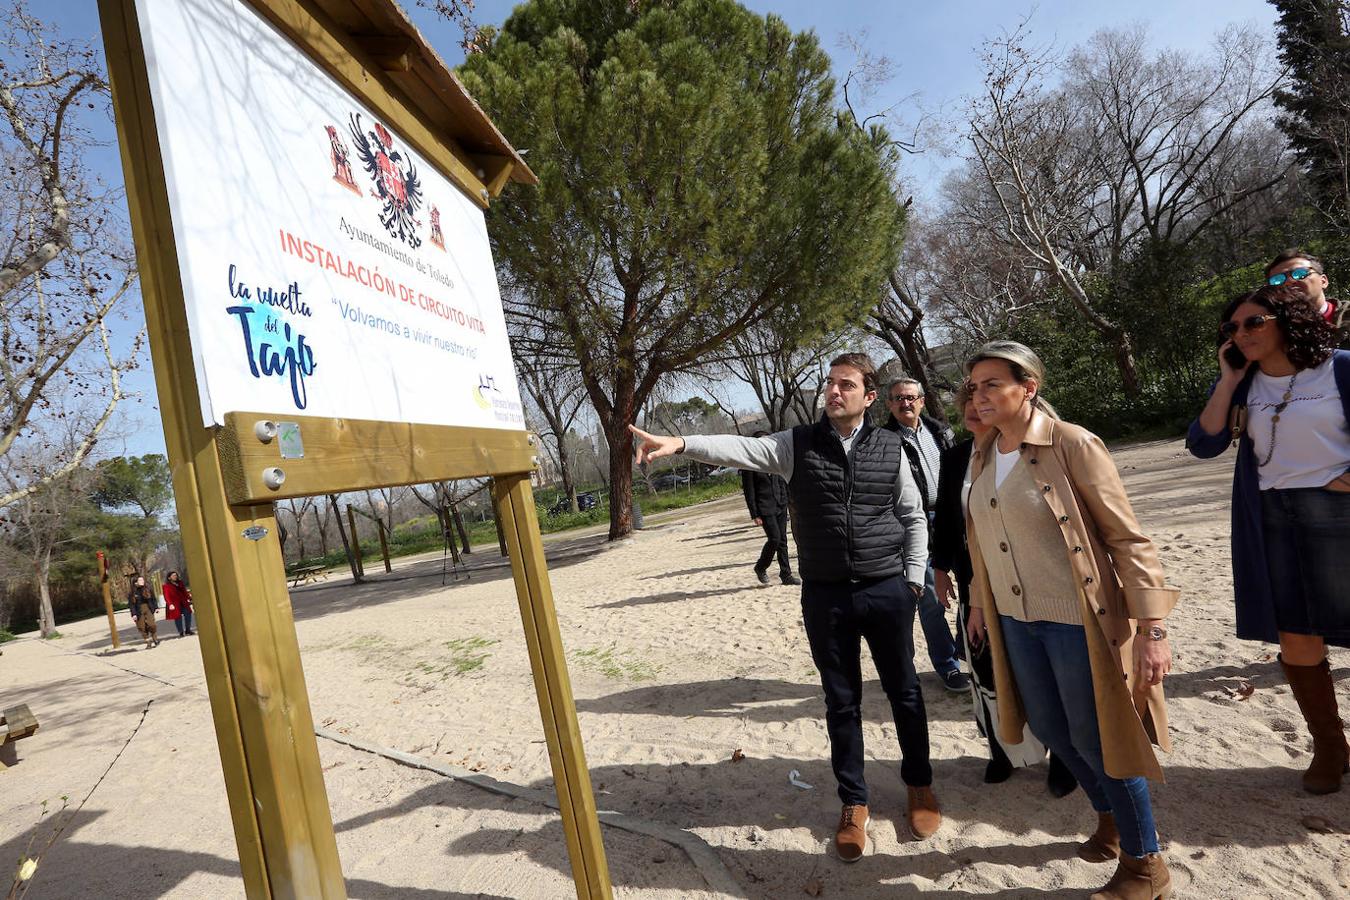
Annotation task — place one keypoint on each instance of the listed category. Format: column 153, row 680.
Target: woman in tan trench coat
column 1070, row 596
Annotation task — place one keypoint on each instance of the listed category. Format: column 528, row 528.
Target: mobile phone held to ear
column 1233, row 356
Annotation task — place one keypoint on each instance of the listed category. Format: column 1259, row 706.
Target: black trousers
column 775, row 532
column 837, row 617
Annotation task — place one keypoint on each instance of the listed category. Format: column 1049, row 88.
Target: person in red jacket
column 178, row 603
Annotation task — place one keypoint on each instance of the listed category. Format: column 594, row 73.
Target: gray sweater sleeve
column 772, row 454
column 909, row 510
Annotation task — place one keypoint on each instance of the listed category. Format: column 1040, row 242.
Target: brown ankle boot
column 1138, row 879
column 1316, row 696
column 850, row 839
column 1104, row 845
column 924, row 814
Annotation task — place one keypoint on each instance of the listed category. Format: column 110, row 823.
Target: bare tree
column 1092, row 160
column 64, row 261
column 780, row 359
column 557, row 393
column 39, row 521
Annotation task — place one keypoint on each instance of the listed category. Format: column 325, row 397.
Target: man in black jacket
column 924, row 440
column 767, row 498
column 862, row 544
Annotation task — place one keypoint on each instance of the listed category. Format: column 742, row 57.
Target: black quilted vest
column 843, row 508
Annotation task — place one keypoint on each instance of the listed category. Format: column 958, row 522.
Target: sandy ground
column 678, row 658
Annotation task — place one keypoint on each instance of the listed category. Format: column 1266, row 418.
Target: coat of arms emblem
column 396, row 182
column 342, row 165
column 437, row 236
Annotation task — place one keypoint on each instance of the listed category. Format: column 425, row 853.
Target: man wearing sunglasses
column 1301, row 268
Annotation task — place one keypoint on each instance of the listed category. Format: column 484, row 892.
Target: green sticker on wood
column 288, row 439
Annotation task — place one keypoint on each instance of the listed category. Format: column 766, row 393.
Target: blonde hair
column 1025, row 364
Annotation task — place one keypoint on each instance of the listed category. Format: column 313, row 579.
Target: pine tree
column 1314, row 39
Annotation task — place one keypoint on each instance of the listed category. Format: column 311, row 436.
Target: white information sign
column 328, row 269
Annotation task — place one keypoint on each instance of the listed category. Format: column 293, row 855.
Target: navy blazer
column 1251, row 579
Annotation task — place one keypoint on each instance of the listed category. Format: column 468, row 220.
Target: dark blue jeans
column 933, row 619
column 1054, row 678
column 837, row 617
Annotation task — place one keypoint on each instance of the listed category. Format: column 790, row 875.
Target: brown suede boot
column 1138, row 879
column 1316, row 696
column 924, row 814
column 1104, row 845
column 850, row 839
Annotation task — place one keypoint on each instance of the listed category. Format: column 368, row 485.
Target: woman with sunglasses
column 951, row 558
column 1070, row 596
column 1283, row 396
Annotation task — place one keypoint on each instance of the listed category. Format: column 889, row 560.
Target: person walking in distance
column 144, row 604
column 924, row 441
column 862, row 543
column 178, row 603
column 766, row 497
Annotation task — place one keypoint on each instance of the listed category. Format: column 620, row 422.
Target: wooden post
column 514, row 505
column 107, row 598
column 357, row 561
column 264, row 727
column 384, row 545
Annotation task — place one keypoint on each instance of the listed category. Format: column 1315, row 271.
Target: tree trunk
column 342, row 532
column 323, row 530
column 46, row 618
column 1123, row 348
column 565, row 473
column 620, row 441
column 459, row 526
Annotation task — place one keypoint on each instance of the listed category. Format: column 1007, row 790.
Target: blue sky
column 933, row 47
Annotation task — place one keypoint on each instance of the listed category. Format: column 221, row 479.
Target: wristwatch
column 1153, row 632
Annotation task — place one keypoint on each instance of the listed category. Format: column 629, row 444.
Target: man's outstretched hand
column 654, row 446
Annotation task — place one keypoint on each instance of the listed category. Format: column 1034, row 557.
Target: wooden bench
column 16, row 723
column 307, row 574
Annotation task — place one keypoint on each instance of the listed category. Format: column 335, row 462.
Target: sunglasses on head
column 1280, row 278
column 1251, row 323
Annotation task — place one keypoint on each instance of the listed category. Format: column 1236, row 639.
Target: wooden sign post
column 230, row 466
column 107, row 598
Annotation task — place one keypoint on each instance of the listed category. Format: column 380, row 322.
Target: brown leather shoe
column 1104, row 845
column 850, row 840
column 1138, row 879
column 924, row 815
column 1316, row 696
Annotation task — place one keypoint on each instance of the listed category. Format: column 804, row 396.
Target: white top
column 965, row 489
column 1312, row 441
column 1003, row 464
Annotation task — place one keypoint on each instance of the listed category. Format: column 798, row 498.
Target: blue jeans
column 1054, row 678
column 933, row 619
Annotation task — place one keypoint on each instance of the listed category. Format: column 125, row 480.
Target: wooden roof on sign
column 385, row 32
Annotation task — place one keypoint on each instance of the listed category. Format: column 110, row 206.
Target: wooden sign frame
column 225, row 478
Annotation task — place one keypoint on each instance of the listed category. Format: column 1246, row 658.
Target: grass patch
column 7, row 635
column 619, row 665
column 53, row 636
column 466, row 655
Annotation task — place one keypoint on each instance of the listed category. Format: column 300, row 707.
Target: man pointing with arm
column 862, row 543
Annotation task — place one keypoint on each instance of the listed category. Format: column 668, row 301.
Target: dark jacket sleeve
column 748, row 488
column 1205, row 445
column 949, row 525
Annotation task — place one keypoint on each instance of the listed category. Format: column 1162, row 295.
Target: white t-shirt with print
column 1312, row 440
